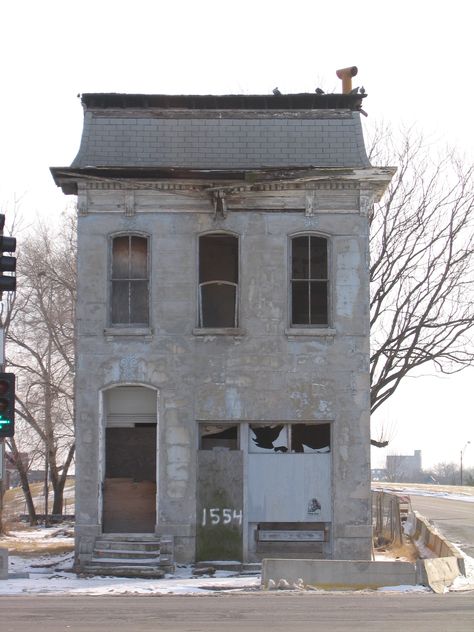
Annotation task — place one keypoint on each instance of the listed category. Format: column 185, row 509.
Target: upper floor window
column 309, row 280
column 129, row 280
column 218, row 280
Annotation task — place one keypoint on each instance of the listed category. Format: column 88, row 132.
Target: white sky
column 414, row 59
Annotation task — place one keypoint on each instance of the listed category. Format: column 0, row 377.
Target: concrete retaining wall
column 440, row 571
column 338, row 574
column 421, row 531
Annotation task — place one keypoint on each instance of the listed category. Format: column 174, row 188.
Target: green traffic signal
column 7, row 405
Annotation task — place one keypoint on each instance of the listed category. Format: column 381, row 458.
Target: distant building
column 400, row 467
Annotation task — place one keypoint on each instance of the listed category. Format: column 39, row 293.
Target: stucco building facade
column 222, row 382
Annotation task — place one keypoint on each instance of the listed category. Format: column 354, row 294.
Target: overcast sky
column 414, row 59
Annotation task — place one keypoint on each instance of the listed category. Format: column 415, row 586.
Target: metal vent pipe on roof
column 346, row 75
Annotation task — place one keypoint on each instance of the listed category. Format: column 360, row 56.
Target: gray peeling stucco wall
column 263, row 374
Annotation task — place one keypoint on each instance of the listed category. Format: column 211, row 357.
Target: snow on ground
column 56, row 581
column 460, row 493
column 467, row 582
column 48, row 581
column 52, row 573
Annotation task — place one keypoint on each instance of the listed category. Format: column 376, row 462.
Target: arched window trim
column 328, row 280
column 139, row 323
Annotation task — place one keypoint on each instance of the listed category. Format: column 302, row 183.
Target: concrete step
column 131, row 537
column 132, row 555
column 251, row 568
column 122, row 553
column 117, row 545
column 145, row 572
column 220, row 565
column 135, row 561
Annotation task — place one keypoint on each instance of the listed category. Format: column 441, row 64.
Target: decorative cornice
column 228, row 188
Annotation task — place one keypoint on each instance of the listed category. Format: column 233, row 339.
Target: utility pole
column 462, row 453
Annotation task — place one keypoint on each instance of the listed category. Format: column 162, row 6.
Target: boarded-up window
column 309, row 280
column 218, row 280
column 129, row 280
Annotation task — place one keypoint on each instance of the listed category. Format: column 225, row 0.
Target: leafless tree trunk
column 422, row 282
column 16, row 459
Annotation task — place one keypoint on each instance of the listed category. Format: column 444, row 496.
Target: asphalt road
column 305, row 612
column 453, row 518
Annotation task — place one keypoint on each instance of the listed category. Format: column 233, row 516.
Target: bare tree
column 422, row 282
column 447, row 473
column 41, row 345
column 16, row 458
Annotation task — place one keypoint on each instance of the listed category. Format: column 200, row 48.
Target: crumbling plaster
column 266, row 373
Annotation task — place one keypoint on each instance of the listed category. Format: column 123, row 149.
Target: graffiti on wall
column 216, row 515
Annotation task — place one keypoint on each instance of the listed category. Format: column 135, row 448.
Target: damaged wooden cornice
column 220, row 204
column 374, row 178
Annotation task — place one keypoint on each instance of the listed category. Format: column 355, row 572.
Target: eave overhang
column 375, row 178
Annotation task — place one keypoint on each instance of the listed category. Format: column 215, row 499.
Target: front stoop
column 239, row 568
column 131, row 555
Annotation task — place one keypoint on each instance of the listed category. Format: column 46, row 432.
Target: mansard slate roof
column 221, row 132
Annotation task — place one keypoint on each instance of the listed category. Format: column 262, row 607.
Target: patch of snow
column 465, row 582
column 62, row 582
column 417, row 491
column 404, row 588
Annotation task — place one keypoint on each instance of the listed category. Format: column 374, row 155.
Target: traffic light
column 7, row 264
column 7, row 405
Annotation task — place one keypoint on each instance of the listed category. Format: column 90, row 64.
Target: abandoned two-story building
column 222, row 385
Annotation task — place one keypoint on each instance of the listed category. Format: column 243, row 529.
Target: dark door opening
column 129, row 494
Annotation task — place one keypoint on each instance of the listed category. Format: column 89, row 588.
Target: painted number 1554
column 216, row 516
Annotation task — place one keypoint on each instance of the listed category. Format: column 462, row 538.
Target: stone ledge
column 327, row 332
column 219, row 331
column 133, row 332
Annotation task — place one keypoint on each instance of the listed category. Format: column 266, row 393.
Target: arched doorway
column 129, row 485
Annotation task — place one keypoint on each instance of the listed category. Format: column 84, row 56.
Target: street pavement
column 301, row 612
column 453, row 518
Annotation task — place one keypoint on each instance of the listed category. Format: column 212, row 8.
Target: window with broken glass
column 309, row 281
column 218, row 280
column 294, row 437
column 129, row 281
column 218, row 437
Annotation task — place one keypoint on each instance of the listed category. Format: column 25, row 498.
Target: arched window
column 129, row 280
column 309, row 280
column 218, row 280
